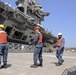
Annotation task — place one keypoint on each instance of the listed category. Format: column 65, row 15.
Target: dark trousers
column 3, row 52
column 59, row 54
column 38, row 55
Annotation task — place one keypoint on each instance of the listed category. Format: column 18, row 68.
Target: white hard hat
column 59, row 33
column 38, row 24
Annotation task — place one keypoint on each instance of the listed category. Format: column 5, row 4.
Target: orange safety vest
column 59, row 42
column 3, row 37
column 40, row 38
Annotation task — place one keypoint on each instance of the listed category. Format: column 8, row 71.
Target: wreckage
column 20, row 21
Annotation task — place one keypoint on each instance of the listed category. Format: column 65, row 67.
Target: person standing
column 59, row 45
column 3, row 46
column 38, row 41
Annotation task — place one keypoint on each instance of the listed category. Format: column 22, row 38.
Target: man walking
column 3, row 46
column 59, row 48
column 38, row 48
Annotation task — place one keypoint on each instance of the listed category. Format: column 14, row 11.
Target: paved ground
column 19, row 64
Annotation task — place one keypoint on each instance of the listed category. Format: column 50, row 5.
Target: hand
column 54, row 46
column 30, row 43
column 59, row 48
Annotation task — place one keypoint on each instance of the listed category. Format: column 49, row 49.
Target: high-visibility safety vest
column 59, row 42
column 40, row 38
column 3, row 37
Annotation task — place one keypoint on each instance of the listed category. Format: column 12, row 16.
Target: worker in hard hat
column 3, row 46
column 38, row 48
column 59, row 45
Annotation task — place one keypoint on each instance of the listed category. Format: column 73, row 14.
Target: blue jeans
column 3, row 52
column 38, row 55
column 59, row 54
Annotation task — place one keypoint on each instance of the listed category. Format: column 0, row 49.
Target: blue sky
column 62, row 18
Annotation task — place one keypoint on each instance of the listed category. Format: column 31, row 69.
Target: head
column 1, row 27
column 37, row 29
column 59, row 35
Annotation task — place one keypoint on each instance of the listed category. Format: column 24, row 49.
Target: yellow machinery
column 50, row 47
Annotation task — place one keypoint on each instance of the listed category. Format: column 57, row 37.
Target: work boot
column 59, row 64
column 40, row 65
column 0, row 66
column 3, row 66
column 34, row 66
column 62, row 60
